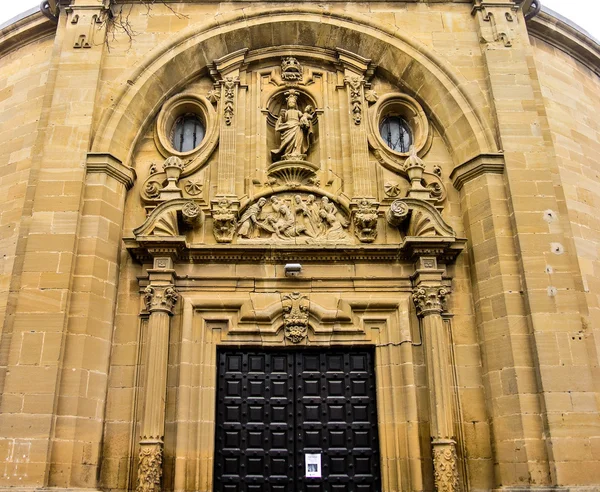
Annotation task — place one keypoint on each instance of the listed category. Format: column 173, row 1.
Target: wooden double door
column 291, row 421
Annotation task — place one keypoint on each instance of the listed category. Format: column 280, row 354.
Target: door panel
column 273, row 408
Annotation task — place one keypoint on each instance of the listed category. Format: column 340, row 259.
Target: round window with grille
column 396, row 133
column 187, row 133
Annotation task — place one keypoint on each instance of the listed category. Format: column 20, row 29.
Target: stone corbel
column 364, row 217
column 224, row 213
column 295, row 308
column 429, row 297
column 111, row 166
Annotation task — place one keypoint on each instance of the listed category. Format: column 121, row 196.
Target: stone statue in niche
column 296, row 218
column 295, row 128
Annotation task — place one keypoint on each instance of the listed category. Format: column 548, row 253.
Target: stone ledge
column 110, row 165
column 481, row 164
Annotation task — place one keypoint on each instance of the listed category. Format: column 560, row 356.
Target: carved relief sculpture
column 149, row 468
column 365, row 220
column 355, row 85
column 228, row 106
column 291, row 70
column 295, row 128
column 249, row 220
column 445, row 466
column 299, row 218
column 224, row 214
column 295, row 316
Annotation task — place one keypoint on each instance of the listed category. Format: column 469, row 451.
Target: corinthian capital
column 161, row 298
column 429, row 300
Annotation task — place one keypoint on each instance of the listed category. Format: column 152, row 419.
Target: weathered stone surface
column 469, row 262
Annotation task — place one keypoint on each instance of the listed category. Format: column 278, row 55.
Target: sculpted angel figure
column 295, row 129
column 249, row 221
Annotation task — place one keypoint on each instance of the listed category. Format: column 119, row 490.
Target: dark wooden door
column 274, row 408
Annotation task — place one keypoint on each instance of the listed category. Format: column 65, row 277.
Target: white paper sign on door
column 313, row 465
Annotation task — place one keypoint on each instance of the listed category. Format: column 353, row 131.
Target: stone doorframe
column 289, row 317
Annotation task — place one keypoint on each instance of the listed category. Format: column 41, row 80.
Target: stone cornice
column 567, row 37
column 110, row 165
column 31, row 27
column 481, row 164
column 444, row 249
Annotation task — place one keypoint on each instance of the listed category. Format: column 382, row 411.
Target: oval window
column 396, row 133
column 188, row 132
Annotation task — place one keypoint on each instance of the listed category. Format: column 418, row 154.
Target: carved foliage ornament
column 445, row 465
column 429, row 300
column 354, row 84
column 149, row 468
column 295, row 316
column 229, row 103
column 160, row 298
column 224, row 215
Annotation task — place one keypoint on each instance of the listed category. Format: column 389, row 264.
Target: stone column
column 160, row 298
column 429, row 296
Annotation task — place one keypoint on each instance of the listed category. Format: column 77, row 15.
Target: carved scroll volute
column 429, row 300
column 160, row 298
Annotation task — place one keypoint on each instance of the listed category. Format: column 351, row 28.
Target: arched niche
column 413, row 66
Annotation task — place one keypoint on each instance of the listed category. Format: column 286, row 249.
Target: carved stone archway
column 173, row 64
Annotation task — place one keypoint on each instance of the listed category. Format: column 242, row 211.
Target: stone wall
column 513, row 144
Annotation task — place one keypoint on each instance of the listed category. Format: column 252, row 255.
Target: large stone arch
column 455, row 109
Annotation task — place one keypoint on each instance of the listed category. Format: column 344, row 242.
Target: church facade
column 310, row 246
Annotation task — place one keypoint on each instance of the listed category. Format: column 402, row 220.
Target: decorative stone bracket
column 418, row 218
column 224, row 216
column 164, row 220
column 364, row 216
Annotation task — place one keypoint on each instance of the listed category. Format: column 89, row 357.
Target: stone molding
column 25, row 30
column 478, row 165
column 111, row 166
column 570, row 38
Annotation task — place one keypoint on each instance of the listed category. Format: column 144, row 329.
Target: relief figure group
column 293, row 217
